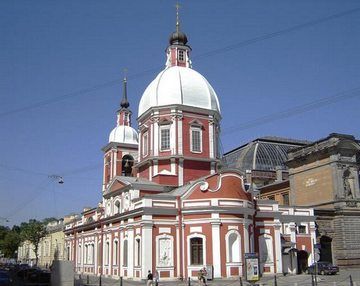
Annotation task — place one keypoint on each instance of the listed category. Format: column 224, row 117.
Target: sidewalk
column 341, row 279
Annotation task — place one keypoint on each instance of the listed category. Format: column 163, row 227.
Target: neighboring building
column 51, row 247
column 278, row 191
column 325, row 175
column 26, row 253
column 262, row 161
column 171, row 210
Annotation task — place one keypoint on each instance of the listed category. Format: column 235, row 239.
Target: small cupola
column 178, row 51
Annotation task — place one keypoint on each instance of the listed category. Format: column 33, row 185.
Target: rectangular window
column 196, row 251
column 285, row 199
column 145, row 144
column 181, row 56
column 165, row 138
column 302, row 229
column 272, row 198
column 196, row 140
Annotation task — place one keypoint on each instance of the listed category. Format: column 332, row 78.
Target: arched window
column 117, row 208
column 86, row 254
column 107, row 253
column 137, row 251
column 126, row 165
column 125, row 253
column 233, row 246
column 145, row 144
column 196, row 251
column 79, row 253
column 115, row 252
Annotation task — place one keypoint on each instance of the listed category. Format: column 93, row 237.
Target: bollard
column 241, row 284
column 121, row 282
column 275, row 281
column 189, row 283
column 100, row 280
column 351, row 281
column 87, row 280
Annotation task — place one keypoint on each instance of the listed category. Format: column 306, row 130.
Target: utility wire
column 355, row 92
column 276, row 34
column 210, row 53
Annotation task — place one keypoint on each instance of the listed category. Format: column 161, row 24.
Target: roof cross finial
column 177, row 17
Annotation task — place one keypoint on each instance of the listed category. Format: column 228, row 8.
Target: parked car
column 323, row 268
column 5, row 279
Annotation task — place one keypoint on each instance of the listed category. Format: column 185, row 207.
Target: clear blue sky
column 247, row 50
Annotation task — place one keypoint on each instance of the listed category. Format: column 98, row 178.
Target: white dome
column 179, row 85
column 124, row 134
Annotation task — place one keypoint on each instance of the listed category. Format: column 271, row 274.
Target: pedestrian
column 149, row 279
column 201, row 277
column 205, row 276
column 156, row 278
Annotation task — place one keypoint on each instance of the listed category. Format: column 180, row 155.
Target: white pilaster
column 181, row 172
column 130, row 268
column 95, row 258
column 104, row 174
column 278, row 251
column 173, row 136
column 115, row 162
column 172, row 166
column 246, row 237
column 215, row 230
column 155, row 135
column 156, row 167
column 180, row 136
column 150, row 173
column 211, row 137
column 147, row 249
column 178, row 249
column 140, row 148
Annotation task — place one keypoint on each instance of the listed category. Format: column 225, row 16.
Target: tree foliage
column 33, row 231
column 10, row 243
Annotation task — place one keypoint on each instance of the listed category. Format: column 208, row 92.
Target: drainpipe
column 182, row 270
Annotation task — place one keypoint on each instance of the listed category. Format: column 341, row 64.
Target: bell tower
column 121, row 151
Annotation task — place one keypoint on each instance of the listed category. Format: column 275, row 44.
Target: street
column 341, row 279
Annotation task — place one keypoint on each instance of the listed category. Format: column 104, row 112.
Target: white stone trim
column 191, row 267
column 180, row 136
column 171, row 239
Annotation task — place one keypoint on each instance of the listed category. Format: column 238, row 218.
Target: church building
column 167, row 206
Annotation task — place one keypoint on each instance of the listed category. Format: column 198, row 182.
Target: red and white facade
column 173, row 211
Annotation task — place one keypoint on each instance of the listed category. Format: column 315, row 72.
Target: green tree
column 10, row 243
column 33, row 231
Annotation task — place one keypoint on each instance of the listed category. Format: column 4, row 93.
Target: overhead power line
column 199, row 56
column 276, row 34
column 293, row 111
